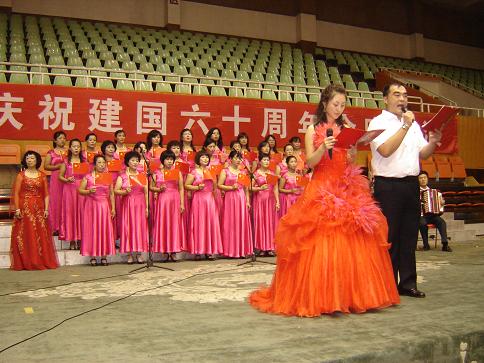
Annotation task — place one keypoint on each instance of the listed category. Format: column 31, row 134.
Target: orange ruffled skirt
column 332, row 250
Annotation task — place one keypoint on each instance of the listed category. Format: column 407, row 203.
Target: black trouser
column 399, row 201
column 438, row 222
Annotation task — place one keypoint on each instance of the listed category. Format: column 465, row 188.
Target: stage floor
column 199, row 313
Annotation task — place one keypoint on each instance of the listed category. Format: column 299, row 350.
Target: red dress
column 31, row 246
column 332, row 250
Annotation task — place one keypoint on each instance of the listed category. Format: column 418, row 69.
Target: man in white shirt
column 395, row 165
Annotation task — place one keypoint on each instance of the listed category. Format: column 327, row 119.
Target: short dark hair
column 129, row 155
column 94, row 160
column 89, row 135
column 288, row 159
column 138, row 145
column 284, row 149
column 167, row 154
column 38, row 159
column 199, row 154
column 386, row 88
column 56, row 135
column 263, row 155
column 233, row 142
column 235, row 153
column 207, row 142
column 117, row 132
column 423, row 172
column 261, row 145
column 173, row 143
column 294, row 139
column 105, row 144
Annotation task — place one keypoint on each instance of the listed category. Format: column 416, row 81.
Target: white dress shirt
column 405, row 160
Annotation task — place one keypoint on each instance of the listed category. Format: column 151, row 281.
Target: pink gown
column 204, row 234
column 236, row 228
column 55, row 193
column 282, row 168
column 265, row 215
column 134, row 224
column 72, row 208
column 168, row 226
column 286, row 200
column 97, row 224
column 219, row 199
column 188, row 194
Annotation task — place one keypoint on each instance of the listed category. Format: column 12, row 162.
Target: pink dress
column 97, row 224
column 72, row 208
column 188, row 194
column 134, row 224
column 55, row 193
column 282, row 168
column 286, row 200
column 236, row 228
column 204, row 234
column 265, row 215
column 219, row 199
column 168, row 226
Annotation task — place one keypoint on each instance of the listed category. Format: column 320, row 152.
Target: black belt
column 405, row 179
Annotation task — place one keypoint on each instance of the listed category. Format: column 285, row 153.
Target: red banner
column 35, row 112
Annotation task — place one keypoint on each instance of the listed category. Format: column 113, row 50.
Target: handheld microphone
column 404, row 109
column 329, row 133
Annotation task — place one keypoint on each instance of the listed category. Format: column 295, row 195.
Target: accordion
column 431, row 202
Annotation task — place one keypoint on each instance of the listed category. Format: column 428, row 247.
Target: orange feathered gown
column 332, row 249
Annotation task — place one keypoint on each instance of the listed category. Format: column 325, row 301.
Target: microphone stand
column 149, row 260
column 253, row 257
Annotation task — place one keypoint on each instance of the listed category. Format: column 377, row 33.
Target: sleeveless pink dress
column 134, row 224
column 265, row 215
column 55, row 193
column 236, row 228
column 286, row 200
column 204, row 234
column 72, row 208
column 97, row 224
column 168, row 226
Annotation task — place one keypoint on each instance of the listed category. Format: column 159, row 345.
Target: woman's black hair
column 423, row 172
column 117, row 132
column 289, row 158
column 242, row 135
column 327, row 95
column 261, row 145
column 181, row 139
column 89, row 135
column 69, row 152
column 138, row 145
column 173, row 143
column 199, row 154
column 284, row 149
column 294, row 139
column 219, row 143
column 233, row 142
column 235, row 153
column 207, row 142
column 150, row 136
column 105, row 144
column 94, row 160
column 38, row 159
column 167, row 154
column 129, row 155
column 263, row 155
column 274, row 149
column 56, row 135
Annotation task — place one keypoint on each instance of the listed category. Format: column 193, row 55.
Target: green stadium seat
column 163, row 87
column 200, row 90
column 63, row 81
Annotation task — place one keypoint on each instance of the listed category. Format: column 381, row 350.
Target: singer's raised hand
column 408, row 117
column 329, row 142
column 435, row 136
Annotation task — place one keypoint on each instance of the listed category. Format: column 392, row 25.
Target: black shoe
column 411, row 292
column 446, row 248
column 426, row 248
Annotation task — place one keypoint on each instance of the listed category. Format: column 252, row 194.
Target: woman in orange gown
column 31, row 246
column 334, row 256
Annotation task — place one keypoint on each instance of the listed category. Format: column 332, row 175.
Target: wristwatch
column 405, row 126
